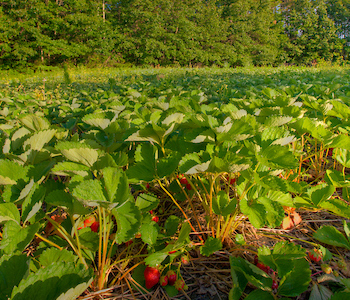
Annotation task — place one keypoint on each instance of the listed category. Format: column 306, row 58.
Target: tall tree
column 170, row 32
column 339, row 12
column 51, row 31
column 256, row 30
column 311, row 32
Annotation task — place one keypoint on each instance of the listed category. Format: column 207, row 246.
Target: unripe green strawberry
column 185, row 260
column 326, row 268
column 180, row 284
column 341, row 264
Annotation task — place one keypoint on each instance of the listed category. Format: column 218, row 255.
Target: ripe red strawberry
column 232, row 180
column 89, row 221
column 163, row 280
column 188, row 186
column 263, row 267
column 128, row 243
column 274, row 285
column 94, row 226
column 315, row 255
column 152, row 276
column 155, row 219
column 329, row 152
column 183, row 180
column 180, row 284
column 171, row 277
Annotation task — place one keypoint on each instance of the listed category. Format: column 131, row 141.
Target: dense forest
column 37, row 33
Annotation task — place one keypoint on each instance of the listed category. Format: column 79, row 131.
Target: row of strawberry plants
column 93, row 158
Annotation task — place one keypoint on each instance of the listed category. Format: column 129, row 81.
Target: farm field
column 175, row 184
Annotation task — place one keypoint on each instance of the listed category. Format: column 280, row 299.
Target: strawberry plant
column 292, row 271
column 104, row 179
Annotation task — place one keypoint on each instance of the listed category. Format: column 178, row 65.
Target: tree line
column 172, row 32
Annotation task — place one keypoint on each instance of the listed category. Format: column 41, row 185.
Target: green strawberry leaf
column 128, row 219
column 297, row 280
column 146, row 202
column 149, row 232
column 13, row 268
column 89, row 239
column 79, row 153
column 11, row 172
column 223, row 205
column 68, row 168
column 320, row 193
column 35, row 122
column 275, row 214
column 52, row 281
column 338, row 206
column 9, row 211
column 335, row 178
column 320, row 292
column 60, row 198
column 38, row 140
column 281, row 257
column 155, row 258
column 331, row 236
column 256, row 212
column 252, row 274
column 33, row 202
column 90, row 192
column 259, row 294
column 116, row 185
column 210, row 246
column 76, row 291
column 277, row 156
column 54, row 255
column 171, row 225
column 341, row 296
column 16, row 238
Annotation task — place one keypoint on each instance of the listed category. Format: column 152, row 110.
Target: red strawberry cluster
column 184, row 181
column 153, row 276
